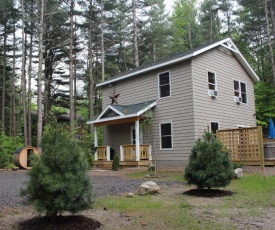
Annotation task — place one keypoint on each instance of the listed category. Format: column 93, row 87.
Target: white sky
column 169, row 4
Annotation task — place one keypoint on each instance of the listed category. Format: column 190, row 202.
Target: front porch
column 129, row 157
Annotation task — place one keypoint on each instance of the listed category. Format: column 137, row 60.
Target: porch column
column 95, row 142
column 137, row 140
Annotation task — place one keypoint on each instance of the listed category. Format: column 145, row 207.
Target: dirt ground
column 116, row 220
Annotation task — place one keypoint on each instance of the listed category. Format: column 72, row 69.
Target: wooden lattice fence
column 244, row 144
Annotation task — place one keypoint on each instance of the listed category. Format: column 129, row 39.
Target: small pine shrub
column 58, row 180
column 236, row 165
column 115, row 163
column 209, row 164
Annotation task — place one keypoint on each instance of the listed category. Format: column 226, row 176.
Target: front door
column 133, row 135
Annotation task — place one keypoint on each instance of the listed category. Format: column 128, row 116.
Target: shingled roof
column 115, row 112
column 227, row 43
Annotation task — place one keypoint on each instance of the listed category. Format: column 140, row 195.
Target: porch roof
column 115, row 114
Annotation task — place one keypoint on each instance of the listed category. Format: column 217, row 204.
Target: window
column 164, row 85
column 214, row 127
column 240, row 90
column 212, row 83
column 166, row 136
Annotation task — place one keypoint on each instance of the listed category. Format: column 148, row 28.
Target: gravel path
column 104, row 183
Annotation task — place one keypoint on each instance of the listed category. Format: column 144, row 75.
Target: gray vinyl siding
column 177, row 109
column 223, row 109
column 189, row 108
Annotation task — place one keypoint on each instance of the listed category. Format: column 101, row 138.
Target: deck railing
column 128, row 152
column 102, row 153
column 244, row 144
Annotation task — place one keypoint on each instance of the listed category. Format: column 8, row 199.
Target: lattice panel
column 244, row 144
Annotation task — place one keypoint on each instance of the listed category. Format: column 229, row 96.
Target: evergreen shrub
column 58, row 180
column 115, row 163
column 209, row 163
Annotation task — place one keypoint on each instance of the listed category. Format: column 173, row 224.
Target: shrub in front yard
column 209, row 163
column 115, row 163
column 58, row 180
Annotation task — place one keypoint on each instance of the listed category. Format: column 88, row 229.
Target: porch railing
column 102, row 153
column 128, row 152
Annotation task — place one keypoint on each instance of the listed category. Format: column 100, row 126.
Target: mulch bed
column 208, row 193
column 61, row 223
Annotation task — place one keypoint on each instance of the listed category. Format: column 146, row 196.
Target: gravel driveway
column 104, row 183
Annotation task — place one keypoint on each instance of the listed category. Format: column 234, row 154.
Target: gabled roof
column 117, row 112
column 227, row 43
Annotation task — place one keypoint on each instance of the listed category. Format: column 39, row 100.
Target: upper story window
column 164, row 85
column 166, row 141
column 240, row 92
column 212, row 82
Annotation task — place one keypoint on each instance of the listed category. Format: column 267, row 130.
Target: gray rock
column 148, row 187
column 238, row 172
column 130, row 195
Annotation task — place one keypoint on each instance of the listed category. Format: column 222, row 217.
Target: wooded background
column 49, row 47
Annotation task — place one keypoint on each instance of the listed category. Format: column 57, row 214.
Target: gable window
column 164, row 85
column 240, row 91
column 166, row 136
column 212, row 82
column 214, row 127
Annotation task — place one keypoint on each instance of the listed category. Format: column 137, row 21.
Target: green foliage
column 58, row 180
column 265, row 102
column 209, row 163
column 8, row 146
column 236, row 165
column 115, row 163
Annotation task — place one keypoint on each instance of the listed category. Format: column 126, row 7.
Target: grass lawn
column 253, row 199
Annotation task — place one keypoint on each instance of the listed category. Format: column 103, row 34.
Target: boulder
column 238, row 172
column 130, row 195
column 148, row 187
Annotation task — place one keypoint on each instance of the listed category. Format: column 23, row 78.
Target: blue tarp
column 271, row 129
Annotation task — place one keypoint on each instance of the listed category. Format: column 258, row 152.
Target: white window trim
column 243, row 126
column 216, row 83
column 159, row 97
column 168, row 122
column 241, row 91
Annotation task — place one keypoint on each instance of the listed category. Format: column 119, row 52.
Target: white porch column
column 121, row 153
column 95, row 142
column 108, row 151
column 137, row 139
column 150, row 152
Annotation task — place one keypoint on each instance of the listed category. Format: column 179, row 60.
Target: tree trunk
column 12, row 101
column 72, row 126
column 102, row 43
column 270, row 42
column 135, row 33
column 39, row 77
column 91, row 77
column 30, row 92
column 4, row 80
column 23, row 78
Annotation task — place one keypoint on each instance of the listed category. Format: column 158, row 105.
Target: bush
column 115, row 163
column 8, row 146
column 58, row 180
column 209, row 164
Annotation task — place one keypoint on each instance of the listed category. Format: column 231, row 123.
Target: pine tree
column 58, row 180
column 209, row 163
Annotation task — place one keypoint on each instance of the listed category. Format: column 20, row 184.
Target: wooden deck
column 107, row 165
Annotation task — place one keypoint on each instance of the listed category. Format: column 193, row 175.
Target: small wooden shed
column 21, row 156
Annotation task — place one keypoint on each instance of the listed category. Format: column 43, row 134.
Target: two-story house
column 207, row 87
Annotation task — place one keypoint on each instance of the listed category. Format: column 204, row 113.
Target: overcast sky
column 169, row 4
